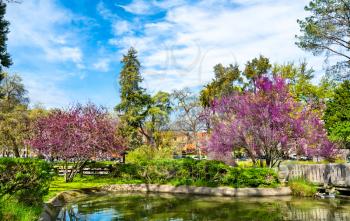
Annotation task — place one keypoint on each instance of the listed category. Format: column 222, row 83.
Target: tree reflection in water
column 159, row 207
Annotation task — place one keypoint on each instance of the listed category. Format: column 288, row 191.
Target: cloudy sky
column 68, row 51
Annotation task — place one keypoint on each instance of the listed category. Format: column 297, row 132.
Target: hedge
column 26, row 180
column 197, row 173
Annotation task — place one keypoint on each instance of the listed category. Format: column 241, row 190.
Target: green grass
column 302, row 187
column 12, row 210
column 58, row 184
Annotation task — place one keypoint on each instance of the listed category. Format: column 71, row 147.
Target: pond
column 159, row 207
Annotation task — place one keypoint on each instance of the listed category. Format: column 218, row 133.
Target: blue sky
column 68, row 51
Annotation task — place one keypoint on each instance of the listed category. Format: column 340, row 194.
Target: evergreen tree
column 5, row 59
column 337, row 115
column 326, row 30
column 134, row 101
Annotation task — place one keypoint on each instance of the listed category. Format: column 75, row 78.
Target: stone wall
column 210, row 191
column 322, row 174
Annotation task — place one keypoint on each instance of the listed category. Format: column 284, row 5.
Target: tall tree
column 327, row 31
column 134, row 101
column 5, row 59
column 337, row 115
column 142, row 115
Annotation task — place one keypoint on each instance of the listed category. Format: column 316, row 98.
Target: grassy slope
column 58, row 184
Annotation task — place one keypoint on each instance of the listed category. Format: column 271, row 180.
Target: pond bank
column 53, row 206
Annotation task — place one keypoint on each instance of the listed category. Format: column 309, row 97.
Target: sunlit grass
column 58, row 184
column 12, row 210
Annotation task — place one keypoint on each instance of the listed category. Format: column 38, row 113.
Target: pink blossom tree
column 267, row 123
column 76, row 135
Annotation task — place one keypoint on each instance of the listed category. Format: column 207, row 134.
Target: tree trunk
column 16, row 152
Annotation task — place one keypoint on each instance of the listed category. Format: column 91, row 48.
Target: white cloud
column 102, row 65
column 138, row 7
column 143, row 7
column 43, row 48
column 182, row 49
column 41, row 24
column 121, row 27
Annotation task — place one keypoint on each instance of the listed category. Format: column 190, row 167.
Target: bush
column 197, row 173
column 27, row 180
column 146, row 153
column 302, row 187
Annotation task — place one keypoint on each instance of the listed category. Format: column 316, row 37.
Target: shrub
column 146, row 153
column 24, row 179
column 302, row 187
column 198, row 173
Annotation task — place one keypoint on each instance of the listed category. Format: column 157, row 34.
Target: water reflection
column 152, row 207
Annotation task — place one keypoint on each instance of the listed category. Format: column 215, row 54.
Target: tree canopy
column 77, row 135
column 337, row 115
column 327, row 31
column 267, row 124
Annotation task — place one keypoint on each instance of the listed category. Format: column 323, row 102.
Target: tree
column 13, row 92
column 327, row 31
column 157, row 119
column 254, row 69
column 299, row 78
column 134, row 101
column 141, row 114
column 267, row 124
column 188, row 119
column 5, row 59
column 76, row 135
column 14, row 119
column 337, row 115
column 226, row 80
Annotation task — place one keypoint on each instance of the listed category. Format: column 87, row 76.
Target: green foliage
column 133, row 99
column 16, row 211
column 147, row 153
column 14, row 115
column 5, row 59
column 337, row 115
column 226, row 81
column 326, row 30
column 255, row 68
column 24, row 179
column 141, row 114
column 302, row 187
column 196, row 173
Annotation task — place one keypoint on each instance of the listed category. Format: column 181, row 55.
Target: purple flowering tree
column 267, row 123
column 76, row 135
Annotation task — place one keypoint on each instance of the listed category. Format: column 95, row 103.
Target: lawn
column 58, row 184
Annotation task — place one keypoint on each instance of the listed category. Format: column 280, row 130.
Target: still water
column 159, row 207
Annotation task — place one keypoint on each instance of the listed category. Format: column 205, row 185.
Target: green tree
column 157, row 119
column 14, row 118
column 134, row 101
column 226, row 80
column 299, row 78
column 337, row 115
column 327, row 31
column 254, row 69
column 5, row 59
column 142, row 115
